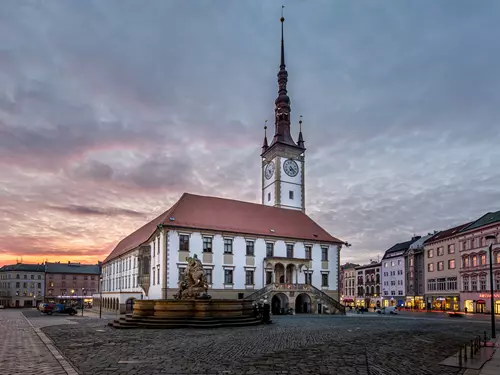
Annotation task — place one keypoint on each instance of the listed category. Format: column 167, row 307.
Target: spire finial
column 300, row 124
column 265, row 128
column 282, row 19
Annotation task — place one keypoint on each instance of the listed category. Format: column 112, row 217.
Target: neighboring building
column 248, row 250
column 393, row 274
column 474, row 264
column 348, row 283
column 441, row 270
column 368, row 285
column 415, row 274
column 21, row 285
column 71, row 281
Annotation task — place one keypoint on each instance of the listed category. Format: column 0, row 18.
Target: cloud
column 97, row 211
column 109, row 111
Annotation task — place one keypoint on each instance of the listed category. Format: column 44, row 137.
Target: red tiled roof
column 439, row 236
column 228, row 215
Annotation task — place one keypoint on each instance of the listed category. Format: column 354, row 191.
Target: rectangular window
column 208, row 274
column 451, row 264
column 474, row 285
column 228, row 246
column 466, row 285
column 154, row 278
column 183, row 242
column 324, row 279
column 430, row 253
column 324, row 254
column 440, row 266
column 289, row 250
column 228, row 276
column 451, row 249
column 308, row 252
column 268, row 197
column 308, row 276
column 207, row 244
column 249, row 277
column 430, row 267
column 290, row 194
column 451, row 283
column 250, row 248
column 158, row 274
column 482, row 284
column 440, row 251
column 482, row 259
column 269, row 249
column 158, row 246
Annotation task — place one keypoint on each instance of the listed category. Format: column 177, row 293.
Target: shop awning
column 348, row 300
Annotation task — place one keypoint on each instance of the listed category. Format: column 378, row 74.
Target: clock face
column 269, row 170
column 291, row 168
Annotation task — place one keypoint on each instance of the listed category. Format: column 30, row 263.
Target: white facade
column 283, row 182
column 239, row 263
column 229, row 274
column 393, row 278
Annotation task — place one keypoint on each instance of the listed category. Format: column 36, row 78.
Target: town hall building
column 270, row 250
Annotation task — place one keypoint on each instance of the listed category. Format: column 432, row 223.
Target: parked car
column 393, row 310
column 50, row 308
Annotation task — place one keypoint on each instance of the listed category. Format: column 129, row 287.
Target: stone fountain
column 192, row 306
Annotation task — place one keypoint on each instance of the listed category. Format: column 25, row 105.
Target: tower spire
column 265, row 145
column 300, row 141
column 282, row 102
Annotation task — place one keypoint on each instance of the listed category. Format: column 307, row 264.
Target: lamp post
column 100, row 297
column 490, row 239
column 83, row 290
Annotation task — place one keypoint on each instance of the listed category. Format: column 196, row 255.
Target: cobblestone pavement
column 21, row 350
column 375, row 345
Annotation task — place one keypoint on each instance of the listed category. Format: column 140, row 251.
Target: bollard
column 485, row 338
column 465, row 352
column 460, row 357
column 471, row 349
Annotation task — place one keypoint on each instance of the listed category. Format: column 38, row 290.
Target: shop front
column 389, row 301
column 443, row 303
column 348, row 302
column 415, row 303
column 479, row 303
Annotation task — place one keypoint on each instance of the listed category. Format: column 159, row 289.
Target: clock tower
column 283, row 178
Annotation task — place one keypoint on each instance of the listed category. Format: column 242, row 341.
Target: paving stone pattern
column 292, row 345
column 21, row 350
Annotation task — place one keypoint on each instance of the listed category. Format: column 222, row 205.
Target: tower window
column 290, row 194
column 268, row 197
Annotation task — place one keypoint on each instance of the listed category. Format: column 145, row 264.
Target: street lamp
column 100, row 297
column 83, row 290
column 490, row 240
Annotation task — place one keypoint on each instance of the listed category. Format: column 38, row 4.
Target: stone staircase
column 333, row 306
column 131, row 321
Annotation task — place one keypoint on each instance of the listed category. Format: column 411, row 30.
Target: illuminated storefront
column 416, row 302
column 479, row 303
column 443, row 303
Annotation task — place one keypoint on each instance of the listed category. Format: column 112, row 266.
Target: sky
column 110, row 110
